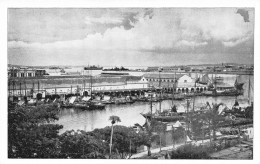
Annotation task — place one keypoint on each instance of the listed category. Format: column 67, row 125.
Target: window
column 29, row 74
column 22, row 74
column 185, row 81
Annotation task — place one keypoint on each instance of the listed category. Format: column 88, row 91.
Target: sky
column 130, row 36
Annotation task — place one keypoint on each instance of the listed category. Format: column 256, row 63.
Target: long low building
column 76, row 85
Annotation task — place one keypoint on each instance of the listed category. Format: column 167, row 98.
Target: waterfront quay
column 113, row 84
column 74, row 85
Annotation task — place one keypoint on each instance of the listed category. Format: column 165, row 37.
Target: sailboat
column 219, row 88
column 170, row 115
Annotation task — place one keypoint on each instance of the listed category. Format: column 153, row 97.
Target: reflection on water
column 129, row 113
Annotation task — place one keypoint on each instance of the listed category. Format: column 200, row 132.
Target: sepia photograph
column 130, row 83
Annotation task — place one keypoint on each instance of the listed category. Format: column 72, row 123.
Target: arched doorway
column 187, row 90
column 201, row 89
column 205, row 88
column 197, row 89
column 179, row 90
column 192, row 90
column 183, row 90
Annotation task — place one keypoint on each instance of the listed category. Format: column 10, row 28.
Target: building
column 166, row 69
column 40, row 72
column 174, row 82
column 65, row 85
column 24, row 72
column 21, row 72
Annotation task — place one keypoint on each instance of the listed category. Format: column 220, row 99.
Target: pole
column 91, row 84
column 172, row 94
column 20, row 88
column 13, row 89
column 194, row 98
column 188, row 114
column 32, row 89
column 25, row 87
column 130, row 148
column 151, row 107
column 110, row 145
column 38, row 86
column 249, row 90
column 160, row 104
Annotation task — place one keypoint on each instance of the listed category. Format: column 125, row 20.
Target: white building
column 180, row 82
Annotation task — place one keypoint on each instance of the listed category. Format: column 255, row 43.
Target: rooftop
column 163, row 75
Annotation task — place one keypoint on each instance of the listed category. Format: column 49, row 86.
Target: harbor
column 131, row 114
column 131, row 83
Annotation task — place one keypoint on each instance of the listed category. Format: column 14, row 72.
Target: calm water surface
column 129, row 113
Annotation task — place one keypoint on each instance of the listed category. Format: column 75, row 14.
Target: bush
column 191, row 152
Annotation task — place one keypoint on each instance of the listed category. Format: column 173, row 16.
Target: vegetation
column 113, row 120
column 29, row 133
column 190, row 151
column 32, row 134
column 81, row 144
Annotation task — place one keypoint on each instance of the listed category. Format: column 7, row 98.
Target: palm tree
column 113, row 120
column 212, row 118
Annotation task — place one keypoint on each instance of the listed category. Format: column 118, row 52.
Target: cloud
column 244, row 14
column 104, row 20
column 163, row 29
column 211, row 30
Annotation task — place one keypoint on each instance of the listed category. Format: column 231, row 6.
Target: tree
column 30, row 134
column 152, row 129
column 212, row 118
column 177, row 134
column 81, row 144
column 196, row 125
column 249, row 111
column 113, row 120
column 126, row 140
column 159, row 128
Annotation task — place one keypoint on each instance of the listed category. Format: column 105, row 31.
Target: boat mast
column 194, row 96
column 25, row 87
column 151, row 106
column 174, row 84
column 21, row 89
column 188, row 114
column 13, row 89
column 160, row 104
column 249, row 90
column 236, row 82
column 172, row 93
column 215, row 82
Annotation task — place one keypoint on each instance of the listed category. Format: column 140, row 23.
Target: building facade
column 174, row 82
column 65, row 86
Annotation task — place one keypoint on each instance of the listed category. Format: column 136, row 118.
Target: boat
column 93, row 68
column 219, row 88
column 178, row 96
column 81, row 105
column 107, row 100
column 95, row 105
column 129, row 100
column 170, row 117
column 119, row 100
